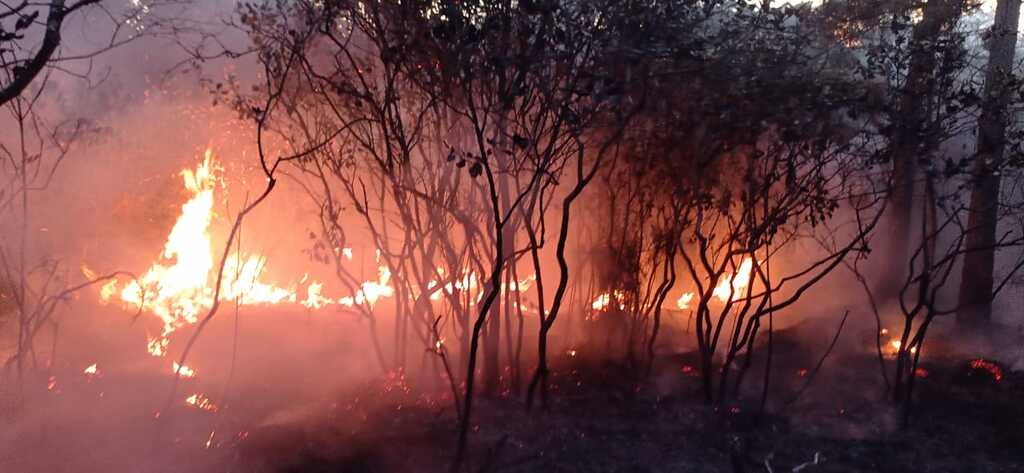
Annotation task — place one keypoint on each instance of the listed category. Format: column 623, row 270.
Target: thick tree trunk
column 975, row 304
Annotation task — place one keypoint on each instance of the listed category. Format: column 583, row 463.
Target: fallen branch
column 817, row 459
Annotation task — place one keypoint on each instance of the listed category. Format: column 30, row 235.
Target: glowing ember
column 990, row 367
column 896, row 345
column 182, row 370
column 202, row 402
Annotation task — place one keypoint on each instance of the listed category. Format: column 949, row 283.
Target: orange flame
column 179, row 286
column 313, row 298
column 684, row 301
column 604, row 300
column 200, row 401
column 182, row 370
column 734, row 287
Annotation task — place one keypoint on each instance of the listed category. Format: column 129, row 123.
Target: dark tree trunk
column 975, row 304
column 492, row 350
column 492, row 335
column 910, row 141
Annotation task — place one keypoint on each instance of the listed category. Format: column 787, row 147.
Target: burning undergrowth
column 297, row 399
column 494, row 236
column 278, row 382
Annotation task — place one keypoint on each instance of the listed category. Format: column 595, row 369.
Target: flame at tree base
column 179, row 287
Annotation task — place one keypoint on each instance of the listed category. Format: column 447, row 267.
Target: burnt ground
column 599, row 420
column 601, row 417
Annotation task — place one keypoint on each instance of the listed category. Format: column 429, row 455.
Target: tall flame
column 177, row 291
column 734, row 287
column 180, row 285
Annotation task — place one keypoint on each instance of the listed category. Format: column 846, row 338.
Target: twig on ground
column 817, row 459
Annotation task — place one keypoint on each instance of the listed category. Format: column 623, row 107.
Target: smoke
column 131, row 121
column 141, row 118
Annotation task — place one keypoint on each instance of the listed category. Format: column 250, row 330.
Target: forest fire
column 200, row 401
column 722, row 236
column 313, row 298
column 895, row 345
column 734, row 286
column 604, row 301
column 988, row 367
column 182, row 370
column 466, row 283
column 683, row 302
column 371, row 291
column 180, row 285
column 890, row 346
